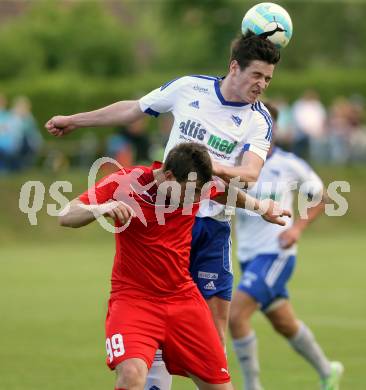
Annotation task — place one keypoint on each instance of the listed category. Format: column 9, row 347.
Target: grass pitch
column 53, row 305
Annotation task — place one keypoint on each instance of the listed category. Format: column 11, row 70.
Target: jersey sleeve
column 162, row 99
column 101, row 192
column 310, row 183
column 260, row 131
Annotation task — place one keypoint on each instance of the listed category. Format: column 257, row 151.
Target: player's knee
column 285, row 327
column 130, row 374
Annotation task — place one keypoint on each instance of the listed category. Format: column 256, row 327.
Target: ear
column 169, row 175
column 234, row 66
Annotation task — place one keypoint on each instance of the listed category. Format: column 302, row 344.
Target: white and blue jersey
column 201, row 114
column 228, row 130
column 266, row 266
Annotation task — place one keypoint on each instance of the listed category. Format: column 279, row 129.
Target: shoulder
column 260, row 112
column 190, row 80
column 293, row 162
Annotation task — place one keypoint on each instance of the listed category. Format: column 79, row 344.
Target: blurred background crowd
column 334, row 134
column 98, row 52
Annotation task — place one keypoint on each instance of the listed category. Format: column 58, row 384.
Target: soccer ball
column 270, row 21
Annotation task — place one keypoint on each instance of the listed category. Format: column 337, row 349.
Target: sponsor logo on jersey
column 195, row 104
column 193, row 129
column 210, row 286
column 236, row 120
column 208, row 275
column 201, row 89
column 222, row 145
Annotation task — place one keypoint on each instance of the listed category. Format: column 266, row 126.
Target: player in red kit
column 154, row 302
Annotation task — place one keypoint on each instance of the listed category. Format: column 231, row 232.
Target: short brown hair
column 189, row 157
column 250, row 47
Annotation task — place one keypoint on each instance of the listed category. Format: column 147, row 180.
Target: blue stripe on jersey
column 269, row 118
column 222, row 99
column 246, row 147
column 168, row 83
column 151, row 112
column 256, row 107
column 204, row 77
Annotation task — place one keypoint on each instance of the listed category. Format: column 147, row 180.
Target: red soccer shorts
column 181, row 326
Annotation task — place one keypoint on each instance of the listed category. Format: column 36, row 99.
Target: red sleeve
column 101, row 192
column 217, row 187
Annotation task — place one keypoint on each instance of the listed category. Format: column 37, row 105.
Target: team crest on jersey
column 236, row 120
column 195, row 104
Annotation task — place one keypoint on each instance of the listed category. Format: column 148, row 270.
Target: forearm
column 245, row 174
column 116, row 114
column 76, row 214
column 312, row 213
column 235, row 197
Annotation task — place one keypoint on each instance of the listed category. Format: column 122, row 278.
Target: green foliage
column 80, row 37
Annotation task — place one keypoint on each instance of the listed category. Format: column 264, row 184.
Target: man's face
column 248, row 84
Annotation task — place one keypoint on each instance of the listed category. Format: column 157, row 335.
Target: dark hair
column 189, row 157
column 251, row 47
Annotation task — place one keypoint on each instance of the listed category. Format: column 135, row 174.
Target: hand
column 271, row 212
column 60, row 125
column 119, row 211
column 289, row 237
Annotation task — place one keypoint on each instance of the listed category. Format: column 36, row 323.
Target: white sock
column 247, row 353
column 305, row 344
column 158, row 378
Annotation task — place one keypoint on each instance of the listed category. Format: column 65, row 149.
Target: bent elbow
column 250, row 179
column 62, row 221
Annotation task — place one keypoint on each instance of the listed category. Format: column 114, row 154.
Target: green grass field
column 55, row 284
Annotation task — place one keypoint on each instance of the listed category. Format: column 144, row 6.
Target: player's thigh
column 220, row 313
column 192, row 344
column 242, row 306
column 210, row 261
column 134, row 329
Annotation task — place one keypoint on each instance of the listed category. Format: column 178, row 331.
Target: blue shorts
column 265, row 277
column 210, row 264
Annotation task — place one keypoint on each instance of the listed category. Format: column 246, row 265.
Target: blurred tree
column 80, row 36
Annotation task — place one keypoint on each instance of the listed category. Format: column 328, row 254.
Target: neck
column 227, row 90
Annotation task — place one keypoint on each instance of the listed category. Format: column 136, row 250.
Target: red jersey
column 151, row 259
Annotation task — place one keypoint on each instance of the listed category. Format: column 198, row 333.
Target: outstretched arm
column 77, row 214
column 116, row 114
column 268, row 209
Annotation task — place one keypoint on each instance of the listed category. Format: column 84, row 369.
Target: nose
column 262, row 84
